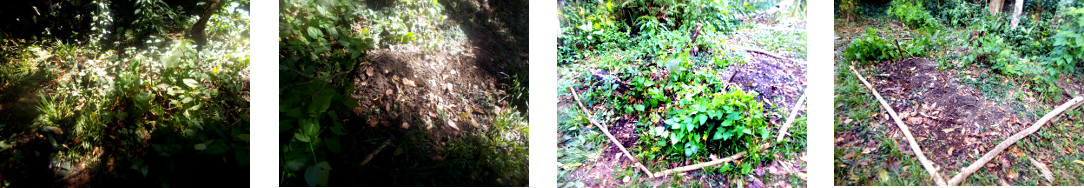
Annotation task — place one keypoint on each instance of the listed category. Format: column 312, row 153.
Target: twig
column 773, row 55
column 906, row 132
column 709, row 163
column 1012, row 139
column 1042, row 168
column 898, row 48
column 608, row 135
column 790, row 120
column 371, row 155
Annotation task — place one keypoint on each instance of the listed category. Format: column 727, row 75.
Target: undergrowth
column 655, row 65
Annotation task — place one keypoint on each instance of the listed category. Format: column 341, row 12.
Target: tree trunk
column 995, row 6
column 196, row 32
column 1016, row 11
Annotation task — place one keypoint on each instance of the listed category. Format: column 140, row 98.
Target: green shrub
column 1068, row 44
column 316, row 88
column 910, row 12
column 870, row 47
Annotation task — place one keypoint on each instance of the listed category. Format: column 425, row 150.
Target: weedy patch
column 674, row 87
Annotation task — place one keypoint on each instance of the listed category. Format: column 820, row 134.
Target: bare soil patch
column 951, row 121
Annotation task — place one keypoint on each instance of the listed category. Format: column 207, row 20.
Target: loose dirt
column 951, row 121
column 779, row 81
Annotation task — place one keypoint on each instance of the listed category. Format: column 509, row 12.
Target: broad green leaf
column 295, row 164
column 690, row 149
column 324, row 165
column 718, row 134
column 321, row 102
column 703, row 118
column 639, row 107
column 314, row 32
column 217, row 148
column 190, row 83
column 312, row 175
column 338, row 129
column 301, row 137
column 727, row 123
column 332, row 144
column 243, row 137
column 734, row 116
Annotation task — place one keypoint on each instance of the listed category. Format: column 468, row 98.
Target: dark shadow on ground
column 500, row 30
column 427, row 151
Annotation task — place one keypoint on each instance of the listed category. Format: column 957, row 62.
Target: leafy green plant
column 1068, row 44
column 910, row 12
column 722, row 117
column 319, row 50
column 870, row 47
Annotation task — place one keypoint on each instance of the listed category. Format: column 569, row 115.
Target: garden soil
column 952, row 122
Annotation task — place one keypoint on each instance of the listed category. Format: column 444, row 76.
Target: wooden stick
column 898, row 48
column 790, row 120
column 906, row 132
column 371, row 155
column 608, row 135
column 777, row 56
column 1012, row 139
column 709, row 163
column 706, row 164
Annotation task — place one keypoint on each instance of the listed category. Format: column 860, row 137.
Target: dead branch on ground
column 906, row 132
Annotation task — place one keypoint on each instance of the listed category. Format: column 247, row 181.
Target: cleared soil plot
column 953, row 123
column 779, row 82
column 437, row 112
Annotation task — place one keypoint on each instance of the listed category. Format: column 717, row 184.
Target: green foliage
column 391, row 25
column 163, row 110
column 1068, row 44
column 846, row 9
column 722, row 117
column 648, row 25
column 318, row 52
column 962, row 13
column 870, row 47
column 910, row 12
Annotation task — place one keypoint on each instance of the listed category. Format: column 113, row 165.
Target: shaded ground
column 125, row 146
column 439, row 108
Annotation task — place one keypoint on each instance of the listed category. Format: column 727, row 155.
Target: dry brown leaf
column 408, row 82
column 1042, row 168
column 452, row 124
column 388, row 92
column 406, row 125
column 369, row 71
column 948, row 130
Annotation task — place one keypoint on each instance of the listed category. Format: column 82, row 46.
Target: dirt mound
column 433, row 90
column 950, row 120
column 779, row 81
